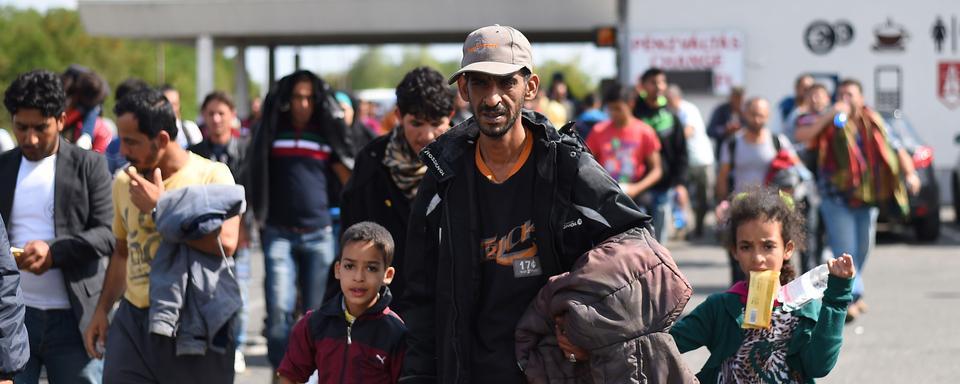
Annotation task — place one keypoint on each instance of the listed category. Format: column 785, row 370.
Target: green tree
column 420, row 56
column 56, row 39
column 374, row 69
column 578, row 82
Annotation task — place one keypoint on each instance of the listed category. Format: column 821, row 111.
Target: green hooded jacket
column 813, row 350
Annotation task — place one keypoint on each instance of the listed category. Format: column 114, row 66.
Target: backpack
column 781, row 161
column 732, row 147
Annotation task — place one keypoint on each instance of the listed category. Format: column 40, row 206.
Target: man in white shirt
column 747, row 155
column 56, row 201
column 188, row 131
column 700, row 172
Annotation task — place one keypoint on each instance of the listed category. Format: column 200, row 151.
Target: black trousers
column 134, row 355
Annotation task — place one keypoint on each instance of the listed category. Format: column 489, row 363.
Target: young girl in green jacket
column 763, row 230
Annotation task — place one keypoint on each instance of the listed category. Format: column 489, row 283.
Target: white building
column 905, row 53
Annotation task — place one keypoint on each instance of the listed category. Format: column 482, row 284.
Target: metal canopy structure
column 271, row 23
column 299, row 22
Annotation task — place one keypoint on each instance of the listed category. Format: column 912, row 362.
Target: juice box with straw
column 763, row 289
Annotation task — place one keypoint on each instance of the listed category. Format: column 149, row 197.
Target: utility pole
column 271, row 66
column 296, row 58
column 623, row 42
column 161, row 62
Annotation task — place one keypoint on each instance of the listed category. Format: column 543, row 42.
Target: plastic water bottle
column 679, row 220
column 840, row 120
column 802, row 290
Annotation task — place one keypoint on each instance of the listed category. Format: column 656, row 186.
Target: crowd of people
column 502, row 221
column 831, row 152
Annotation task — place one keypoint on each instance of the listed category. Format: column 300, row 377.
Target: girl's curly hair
column 770, row 205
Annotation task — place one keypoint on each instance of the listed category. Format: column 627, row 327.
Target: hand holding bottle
column 842, row 106
column 842, row 267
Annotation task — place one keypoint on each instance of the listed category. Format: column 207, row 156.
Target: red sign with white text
column 948, row 83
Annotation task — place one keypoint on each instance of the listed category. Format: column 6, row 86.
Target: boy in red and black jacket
column 354, row 337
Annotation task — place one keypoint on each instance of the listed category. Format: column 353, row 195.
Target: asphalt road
column 910, row 334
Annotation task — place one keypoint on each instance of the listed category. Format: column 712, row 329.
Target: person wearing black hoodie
column 300, row 146
column 388, row 171
column 651, row 107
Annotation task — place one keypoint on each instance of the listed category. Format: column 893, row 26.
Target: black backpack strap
column 732, row 147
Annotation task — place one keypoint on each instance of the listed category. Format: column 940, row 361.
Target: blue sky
column 325, row 59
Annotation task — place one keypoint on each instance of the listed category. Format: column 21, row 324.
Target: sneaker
column 861, row 305
column 239, row 364
column 853, row 312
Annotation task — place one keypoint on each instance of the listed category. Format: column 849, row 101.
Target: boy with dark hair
column 388, row 171
column 355, row 337
column 651, row 108
column 625, row 146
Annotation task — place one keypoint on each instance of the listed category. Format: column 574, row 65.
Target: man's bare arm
column 654, row 174
column 722, row 180
column 114, row 283
column 343, row 173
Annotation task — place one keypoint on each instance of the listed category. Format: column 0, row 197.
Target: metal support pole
column 296, row 59
column 271, row 66
column 204, row 66
column 161, row 62
column 241, row 80
column 623, row 42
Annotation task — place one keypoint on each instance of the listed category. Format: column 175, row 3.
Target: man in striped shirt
column 299, row 150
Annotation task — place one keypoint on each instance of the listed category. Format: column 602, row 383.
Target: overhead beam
column 300, row 22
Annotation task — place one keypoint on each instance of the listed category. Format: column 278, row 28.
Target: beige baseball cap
column 495, row 50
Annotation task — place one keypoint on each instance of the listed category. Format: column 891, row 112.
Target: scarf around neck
column 406, row 169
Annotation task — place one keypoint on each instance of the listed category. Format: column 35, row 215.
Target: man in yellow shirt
column 147, row 127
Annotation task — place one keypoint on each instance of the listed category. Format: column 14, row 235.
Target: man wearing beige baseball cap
column 507, row 201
